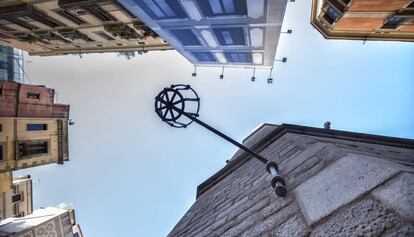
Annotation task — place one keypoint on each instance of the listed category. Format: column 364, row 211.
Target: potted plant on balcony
column 121, row 30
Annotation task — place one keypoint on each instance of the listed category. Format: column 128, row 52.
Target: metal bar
column 254, row 154
column 273, row 171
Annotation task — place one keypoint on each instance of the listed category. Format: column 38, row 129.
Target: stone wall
column 335, row 188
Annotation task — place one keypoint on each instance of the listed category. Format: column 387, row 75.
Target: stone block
column 273, row 220
column 365, row 218
column 399, row 194
column 341, row 183
column 406, row 231
column 294, row 227
column 295, row 161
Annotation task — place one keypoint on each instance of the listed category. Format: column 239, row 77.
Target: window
column 211, row 8
column 99, row 13
column 71, row 17
column 32, row 148
column 338, row 5
column 393, row 22
column 1, row 90
column 204, row 56
column 186, row 37
column 331, row 15
column 43, row 18
column 36, row 127
column 17, row 198
column 32, row 95
column 162, row 9
column 104, row 35
column 239, row 57
column 230, row 36
column 2, row 152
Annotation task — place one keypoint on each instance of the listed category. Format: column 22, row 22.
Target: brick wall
column 19, row 100
column 335, row 188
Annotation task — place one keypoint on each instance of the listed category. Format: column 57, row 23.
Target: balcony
column 28, row 38
column 145, row 30
column 67, row 4
column 50, row 36
column 74, row 35
column 121, row 30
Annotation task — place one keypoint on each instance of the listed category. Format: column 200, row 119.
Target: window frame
column 3, row 151
column 200, row 42
column 70, row 17
column 28, row 156
column 33, row 95
column 232, row 29
column 17, row 194
column 174, row 5
column 230, row 60
column 198, row 52
column 327, row 17
column 36, row 127
column 239, row 5
column 396, row 26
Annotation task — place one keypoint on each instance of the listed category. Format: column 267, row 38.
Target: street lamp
column 194, row 74
column 270, row 79
column 179, row 105
column 222, row 73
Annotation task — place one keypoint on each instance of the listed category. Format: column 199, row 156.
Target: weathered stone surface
column 399, row 194
column 273, row 220
column 244, row 204
column 406, row 231
column 294, row 227
column 295, row 161
column 365, row 218
column 339, row 184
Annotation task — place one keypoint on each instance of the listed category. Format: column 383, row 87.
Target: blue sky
column 132, row 175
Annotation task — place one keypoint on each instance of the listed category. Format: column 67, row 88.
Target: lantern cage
column 173, row 101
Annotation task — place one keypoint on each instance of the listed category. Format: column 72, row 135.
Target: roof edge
column 305, row 130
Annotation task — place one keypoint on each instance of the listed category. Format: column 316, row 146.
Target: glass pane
column 204, row 56
column 229, row 6
column 216, row 6
column 154, row 8
column 164, row 6
column 186, row 37
column 332, row 14
column 395, row 20
column 239, row 57
column 227, row 37
column 36, row 127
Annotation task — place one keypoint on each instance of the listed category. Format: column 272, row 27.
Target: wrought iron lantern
column 179, row 105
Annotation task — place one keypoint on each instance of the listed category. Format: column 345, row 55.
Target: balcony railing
column 122, row 30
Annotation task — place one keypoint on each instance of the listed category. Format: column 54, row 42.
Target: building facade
column 216, row 32
column 33, row 129
column 339, row 184
column 11, row 64
column 17, row 201
column 29, row 101
column 364, row 19
column 56, row 27
column 30, row 142
column 45, row 222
